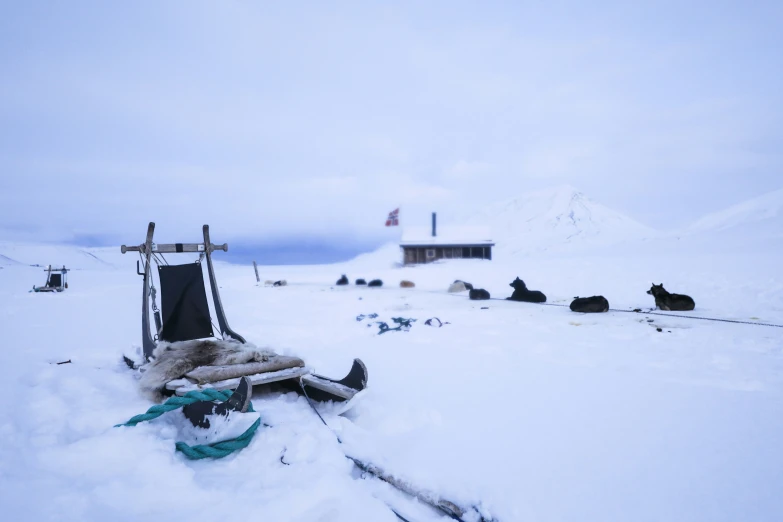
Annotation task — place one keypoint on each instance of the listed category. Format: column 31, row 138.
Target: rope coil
column 217, row 450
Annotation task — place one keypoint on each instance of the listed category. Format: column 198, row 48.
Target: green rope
column 217, row 450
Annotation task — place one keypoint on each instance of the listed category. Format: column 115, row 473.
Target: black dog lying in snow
column 590, row 305
column 521, row 293
column 361, row 281
column 670, row 302
column 478, row 294
column 375, row 282
column 342, row 281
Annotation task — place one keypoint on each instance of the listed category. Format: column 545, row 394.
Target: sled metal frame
column 147, row 249
column 47, row 287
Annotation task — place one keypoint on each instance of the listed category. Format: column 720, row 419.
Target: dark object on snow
column 55, row 280
column 403, row 325
column 637, row 310
column 670, row 302
column 65, row 362
column 485, row 308
column 407, row 284
column 429, row 322
column 198, row 412
column 342, row 281
column 659, row 329
column 521, row 293
column 361, row 282
column 375, row 283
column 318, row 387
column 478, row 294
column 590, row 305
column 468, row 286
column 282, row 282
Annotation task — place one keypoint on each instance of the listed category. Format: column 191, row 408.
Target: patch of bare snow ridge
column 557, row 219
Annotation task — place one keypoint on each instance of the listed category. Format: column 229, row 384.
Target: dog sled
column 182, row 348
column 56, row 280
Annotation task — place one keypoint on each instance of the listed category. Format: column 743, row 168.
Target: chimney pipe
column 433, row 225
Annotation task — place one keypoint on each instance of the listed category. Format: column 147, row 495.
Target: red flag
column 394, row 218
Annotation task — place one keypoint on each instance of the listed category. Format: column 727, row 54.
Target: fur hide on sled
column 173, row 360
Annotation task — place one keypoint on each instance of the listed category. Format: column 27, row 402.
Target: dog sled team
column 594, row 304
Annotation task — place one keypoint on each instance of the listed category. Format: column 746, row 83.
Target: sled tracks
column 434, row 501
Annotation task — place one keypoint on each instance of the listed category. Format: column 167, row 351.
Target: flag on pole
column 394, row 218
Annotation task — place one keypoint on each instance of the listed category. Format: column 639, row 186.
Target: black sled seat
column 186, row 351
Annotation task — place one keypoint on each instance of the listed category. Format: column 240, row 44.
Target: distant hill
column 556, row 219
column 762, row 215
column 23, row 254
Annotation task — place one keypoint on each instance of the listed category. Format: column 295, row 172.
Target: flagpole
column 399, row 223
column 399, row 241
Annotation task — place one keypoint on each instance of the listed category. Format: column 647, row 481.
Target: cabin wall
column 421, row 255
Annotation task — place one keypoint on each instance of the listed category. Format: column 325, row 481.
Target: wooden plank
column 257, row 379
column 205, row 374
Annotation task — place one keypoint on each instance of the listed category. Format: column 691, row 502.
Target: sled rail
column 174, row 248
column 183, row 386
column 329, row 386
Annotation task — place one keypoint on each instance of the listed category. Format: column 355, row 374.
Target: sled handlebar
column 173, row 248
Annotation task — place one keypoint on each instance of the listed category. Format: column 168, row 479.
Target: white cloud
column 226, row 114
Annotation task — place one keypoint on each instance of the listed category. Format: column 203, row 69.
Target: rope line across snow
column 717, row 319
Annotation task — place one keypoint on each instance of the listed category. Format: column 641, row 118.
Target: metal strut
column 224, row 328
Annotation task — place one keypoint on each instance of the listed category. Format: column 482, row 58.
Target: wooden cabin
column 424, row 245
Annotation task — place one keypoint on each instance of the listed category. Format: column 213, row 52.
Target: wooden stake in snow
column 255, row 267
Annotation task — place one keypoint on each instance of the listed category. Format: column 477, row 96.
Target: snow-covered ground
column 539, row 413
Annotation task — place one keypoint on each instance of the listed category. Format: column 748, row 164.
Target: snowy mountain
column 559, row 218
column 763, row 215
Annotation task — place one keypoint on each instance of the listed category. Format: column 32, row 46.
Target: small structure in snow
column 424, row 245
column 55, row 280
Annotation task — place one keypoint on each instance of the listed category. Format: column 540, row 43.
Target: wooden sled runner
column 185, row 317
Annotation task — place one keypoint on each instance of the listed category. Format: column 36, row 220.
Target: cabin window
column 430, row 253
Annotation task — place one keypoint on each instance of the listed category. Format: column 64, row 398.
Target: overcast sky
column 279, row 120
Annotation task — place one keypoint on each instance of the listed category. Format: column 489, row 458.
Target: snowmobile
column 55, row 280
column 181, row 351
